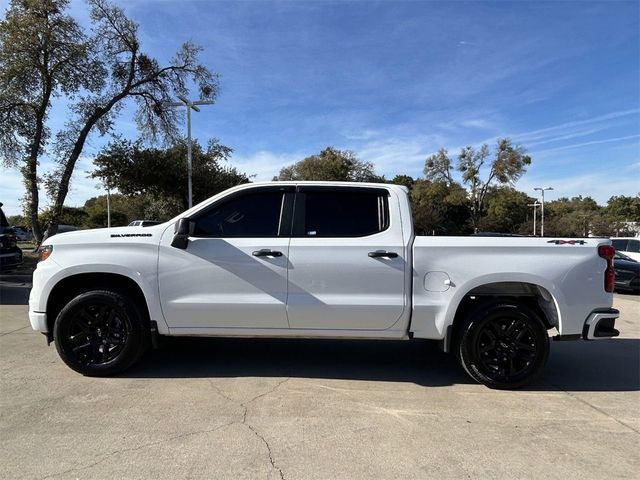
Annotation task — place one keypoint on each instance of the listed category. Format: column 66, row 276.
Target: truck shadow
column 612, row 365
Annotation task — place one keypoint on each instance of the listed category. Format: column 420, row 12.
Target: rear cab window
column 335, row 212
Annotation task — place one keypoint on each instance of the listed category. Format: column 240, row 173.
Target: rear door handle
column 381, row 253
column 265, row 252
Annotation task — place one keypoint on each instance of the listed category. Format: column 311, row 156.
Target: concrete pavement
column 273, row 409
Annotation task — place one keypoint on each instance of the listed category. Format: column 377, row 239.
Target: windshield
column 622, row 256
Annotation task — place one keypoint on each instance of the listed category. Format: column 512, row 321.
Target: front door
column 346, row 260
column 233, row 273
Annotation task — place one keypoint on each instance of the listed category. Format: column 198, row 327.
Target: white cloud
column 81, row 189
column 392, row 156
column 11, row 191
column 263, row 164
column 584, row 144
column 569, row 127
column 593, row 185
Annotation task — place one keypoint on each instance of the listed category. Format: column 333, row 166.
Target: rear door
column 233, row 273
column 346, row 260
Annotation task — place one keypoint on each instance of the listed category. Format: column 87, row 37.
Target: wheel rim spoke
column 97, row 334
column 506, row 349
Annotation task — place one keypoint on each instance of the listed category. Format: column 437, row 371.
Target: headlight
column 45, row 252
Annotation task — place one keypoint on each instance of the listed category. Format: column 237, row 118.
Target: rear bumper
column 600, row 324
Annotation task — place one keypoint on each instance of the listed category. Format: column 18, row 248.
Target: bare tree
column 110, row 68
column 509, row 163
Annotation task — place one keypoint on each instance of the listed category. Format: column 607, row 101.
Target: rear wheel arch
column 533, row 296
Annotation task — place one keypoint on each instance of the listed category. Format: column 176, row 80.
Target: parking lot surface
column 298, row 409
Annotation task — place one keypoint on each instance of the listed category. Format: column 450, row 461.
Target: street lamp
column 535, row 206
column 184, row 102
column 542, row 189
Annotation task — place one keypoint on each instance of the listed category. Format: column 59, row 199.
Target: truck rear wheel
column 100, row 333
column 503, row 346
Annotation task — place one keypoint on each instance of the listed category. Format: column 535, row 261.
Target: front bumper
column 600, row 324
column 38, row 321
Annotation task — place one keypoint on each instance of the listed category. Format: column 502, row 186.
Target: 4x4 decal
column 568, row 242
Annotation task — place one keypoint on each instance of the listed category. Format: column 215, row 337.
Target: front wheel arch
column 70, row 287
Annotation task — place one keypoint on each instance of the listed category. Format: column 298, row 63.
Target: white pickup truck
column 319, row 259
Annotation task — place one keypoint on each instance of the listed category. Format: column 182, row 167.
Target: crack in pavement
column 14, row 331
column 597, row 409
column 245, row 407
column 139, row 447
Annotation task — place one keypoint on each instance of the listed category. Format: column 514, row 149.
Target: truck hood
column 150, row 234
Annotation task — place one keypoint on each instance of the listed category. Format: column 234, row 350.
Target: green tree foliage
column 571, row 217
column 70, row 216
column 508, row 164
column 507, row 211
column 331, row 165
column 19, row 220
column 439, row 208
column 161, row 174
column 123, row 210
column 437, row 167
column 405, row 180
column 45, row 54
column 623, row 208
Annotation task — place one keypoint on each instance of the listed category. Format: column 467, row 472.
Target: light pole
column 535, row 206
column 542, row 189
column 184, row 102
column 108, row 208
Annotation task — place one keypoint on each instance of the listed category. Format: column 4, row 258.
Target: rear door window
column 350, row 213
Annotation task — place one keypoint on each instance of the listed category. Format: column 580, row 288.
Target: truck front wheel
column 503, row 346
column 100, row 333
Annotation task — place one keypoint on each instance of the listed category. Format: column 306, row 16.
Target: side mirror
column 182, row 230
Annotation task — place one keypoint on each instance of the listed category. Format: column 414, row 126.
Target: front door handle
column 265, row 252
column 381, row 253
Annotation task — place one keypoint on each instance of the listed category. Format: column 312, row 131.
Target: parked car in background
column 61, row 229
column 143, row 223
column 627, row 273
column 10, row 253
column 630, row 246
column 23, row 233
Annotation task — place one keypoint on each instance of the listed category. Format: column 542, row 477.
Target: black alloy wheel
column 100, row 333
column 504, row 346
column 97, row 333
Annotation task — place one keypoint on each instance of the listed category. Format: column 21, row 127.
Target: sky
column 394, row 81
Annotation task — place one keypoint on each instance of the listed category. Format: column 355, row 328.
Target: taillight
column 608, row 252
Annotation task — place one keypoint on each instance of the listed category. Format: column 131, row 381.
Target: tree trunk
column 70, row 164
column 30, row 171
column 33, row 200
column 65, row 179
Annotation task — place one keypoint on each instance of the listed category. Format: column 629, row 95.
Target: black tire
column 100, row 333
column 503, row 346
